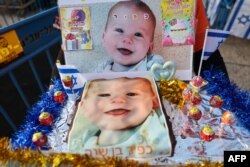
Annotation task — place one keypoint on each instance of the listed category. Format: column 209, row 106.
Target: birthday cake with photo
column 183, row 126
column 200, row 128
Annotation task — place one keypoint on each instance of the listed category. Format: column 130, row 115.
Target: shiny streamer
column 235, row 99
column 172, row 91
column 28, row 157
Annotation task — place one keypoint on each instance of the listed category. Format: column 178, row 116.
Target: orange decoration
column 228, row 118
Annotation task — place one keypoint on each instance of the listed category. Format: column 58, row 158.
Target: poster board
column 87, row 60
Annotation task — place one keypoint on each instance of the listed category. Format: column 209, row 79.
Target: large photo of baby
column 126, row 36
column 120, row 116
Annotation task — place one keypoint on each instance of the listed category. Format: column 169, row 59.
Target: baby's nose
column 127, row 39
column 119, row 99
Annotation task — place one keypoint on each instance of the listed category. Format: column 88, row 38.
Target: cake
column 194, row 142
column 136, row 129
column 188, row 135
column 178, row 31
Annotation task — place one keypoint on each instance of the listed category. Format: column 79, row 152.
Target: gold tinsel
column 27, row 157
column 172, row 90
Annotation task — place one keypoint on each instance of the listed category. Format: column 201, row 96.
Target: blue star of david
column 219, row 43
column 243, row 19
column 74, row 80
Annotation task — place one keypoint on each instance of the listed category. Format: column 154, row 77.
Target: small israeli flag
column 70, row 77
column 213, row 40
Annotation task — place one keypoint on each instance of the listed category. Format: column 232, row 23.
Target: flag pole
column 202, row 53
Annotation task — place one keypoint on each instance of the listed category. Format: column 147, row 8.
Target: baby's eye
column 104, row 95
column 138, row 34
column 131, row 94
column 119, row 30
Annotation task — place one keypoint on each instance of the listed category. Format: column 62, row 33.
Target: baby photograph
column 120, row 116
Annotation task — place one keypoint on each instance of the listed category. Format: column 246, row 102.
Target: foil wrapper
column 57, row 139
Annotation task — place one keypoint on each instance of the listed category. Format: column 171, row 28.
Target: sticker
column 10, row 47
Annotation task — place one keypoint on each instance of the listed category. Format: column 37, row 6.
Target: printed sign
column 10, row 47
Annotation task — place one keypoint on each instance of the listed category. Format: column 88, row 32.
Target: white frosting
column 180, row 25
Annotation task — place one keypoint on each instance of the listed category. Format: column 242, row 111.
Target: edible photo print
column 120, row 115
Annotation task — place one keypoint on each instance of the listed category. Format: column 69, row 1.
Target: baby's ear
column 151, row 47
column 155, row 102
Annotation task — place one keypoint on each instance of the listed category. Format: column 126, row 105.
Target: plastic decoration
column 67, row 81
column 228, row 118
column 216, row 101
column 197, row 81
column 165, row 71
column 45, row 118
column 195, row 113
column 39, row 139
column 59, row 96
column 195, row 99
column 207, row 133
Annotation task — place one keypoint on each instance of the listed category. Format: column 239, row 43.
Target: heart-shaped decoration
column 165, row 71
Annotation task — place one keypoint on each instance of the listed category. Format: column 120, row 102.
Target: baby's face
column 128, row 35
column 119, row 103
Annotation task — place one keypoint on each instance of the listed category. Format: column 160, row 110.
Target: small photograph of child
column 120, row 117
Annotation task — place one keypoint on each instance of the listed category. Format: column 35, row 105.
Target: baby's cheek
column 132, row 101
column 101, row 103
